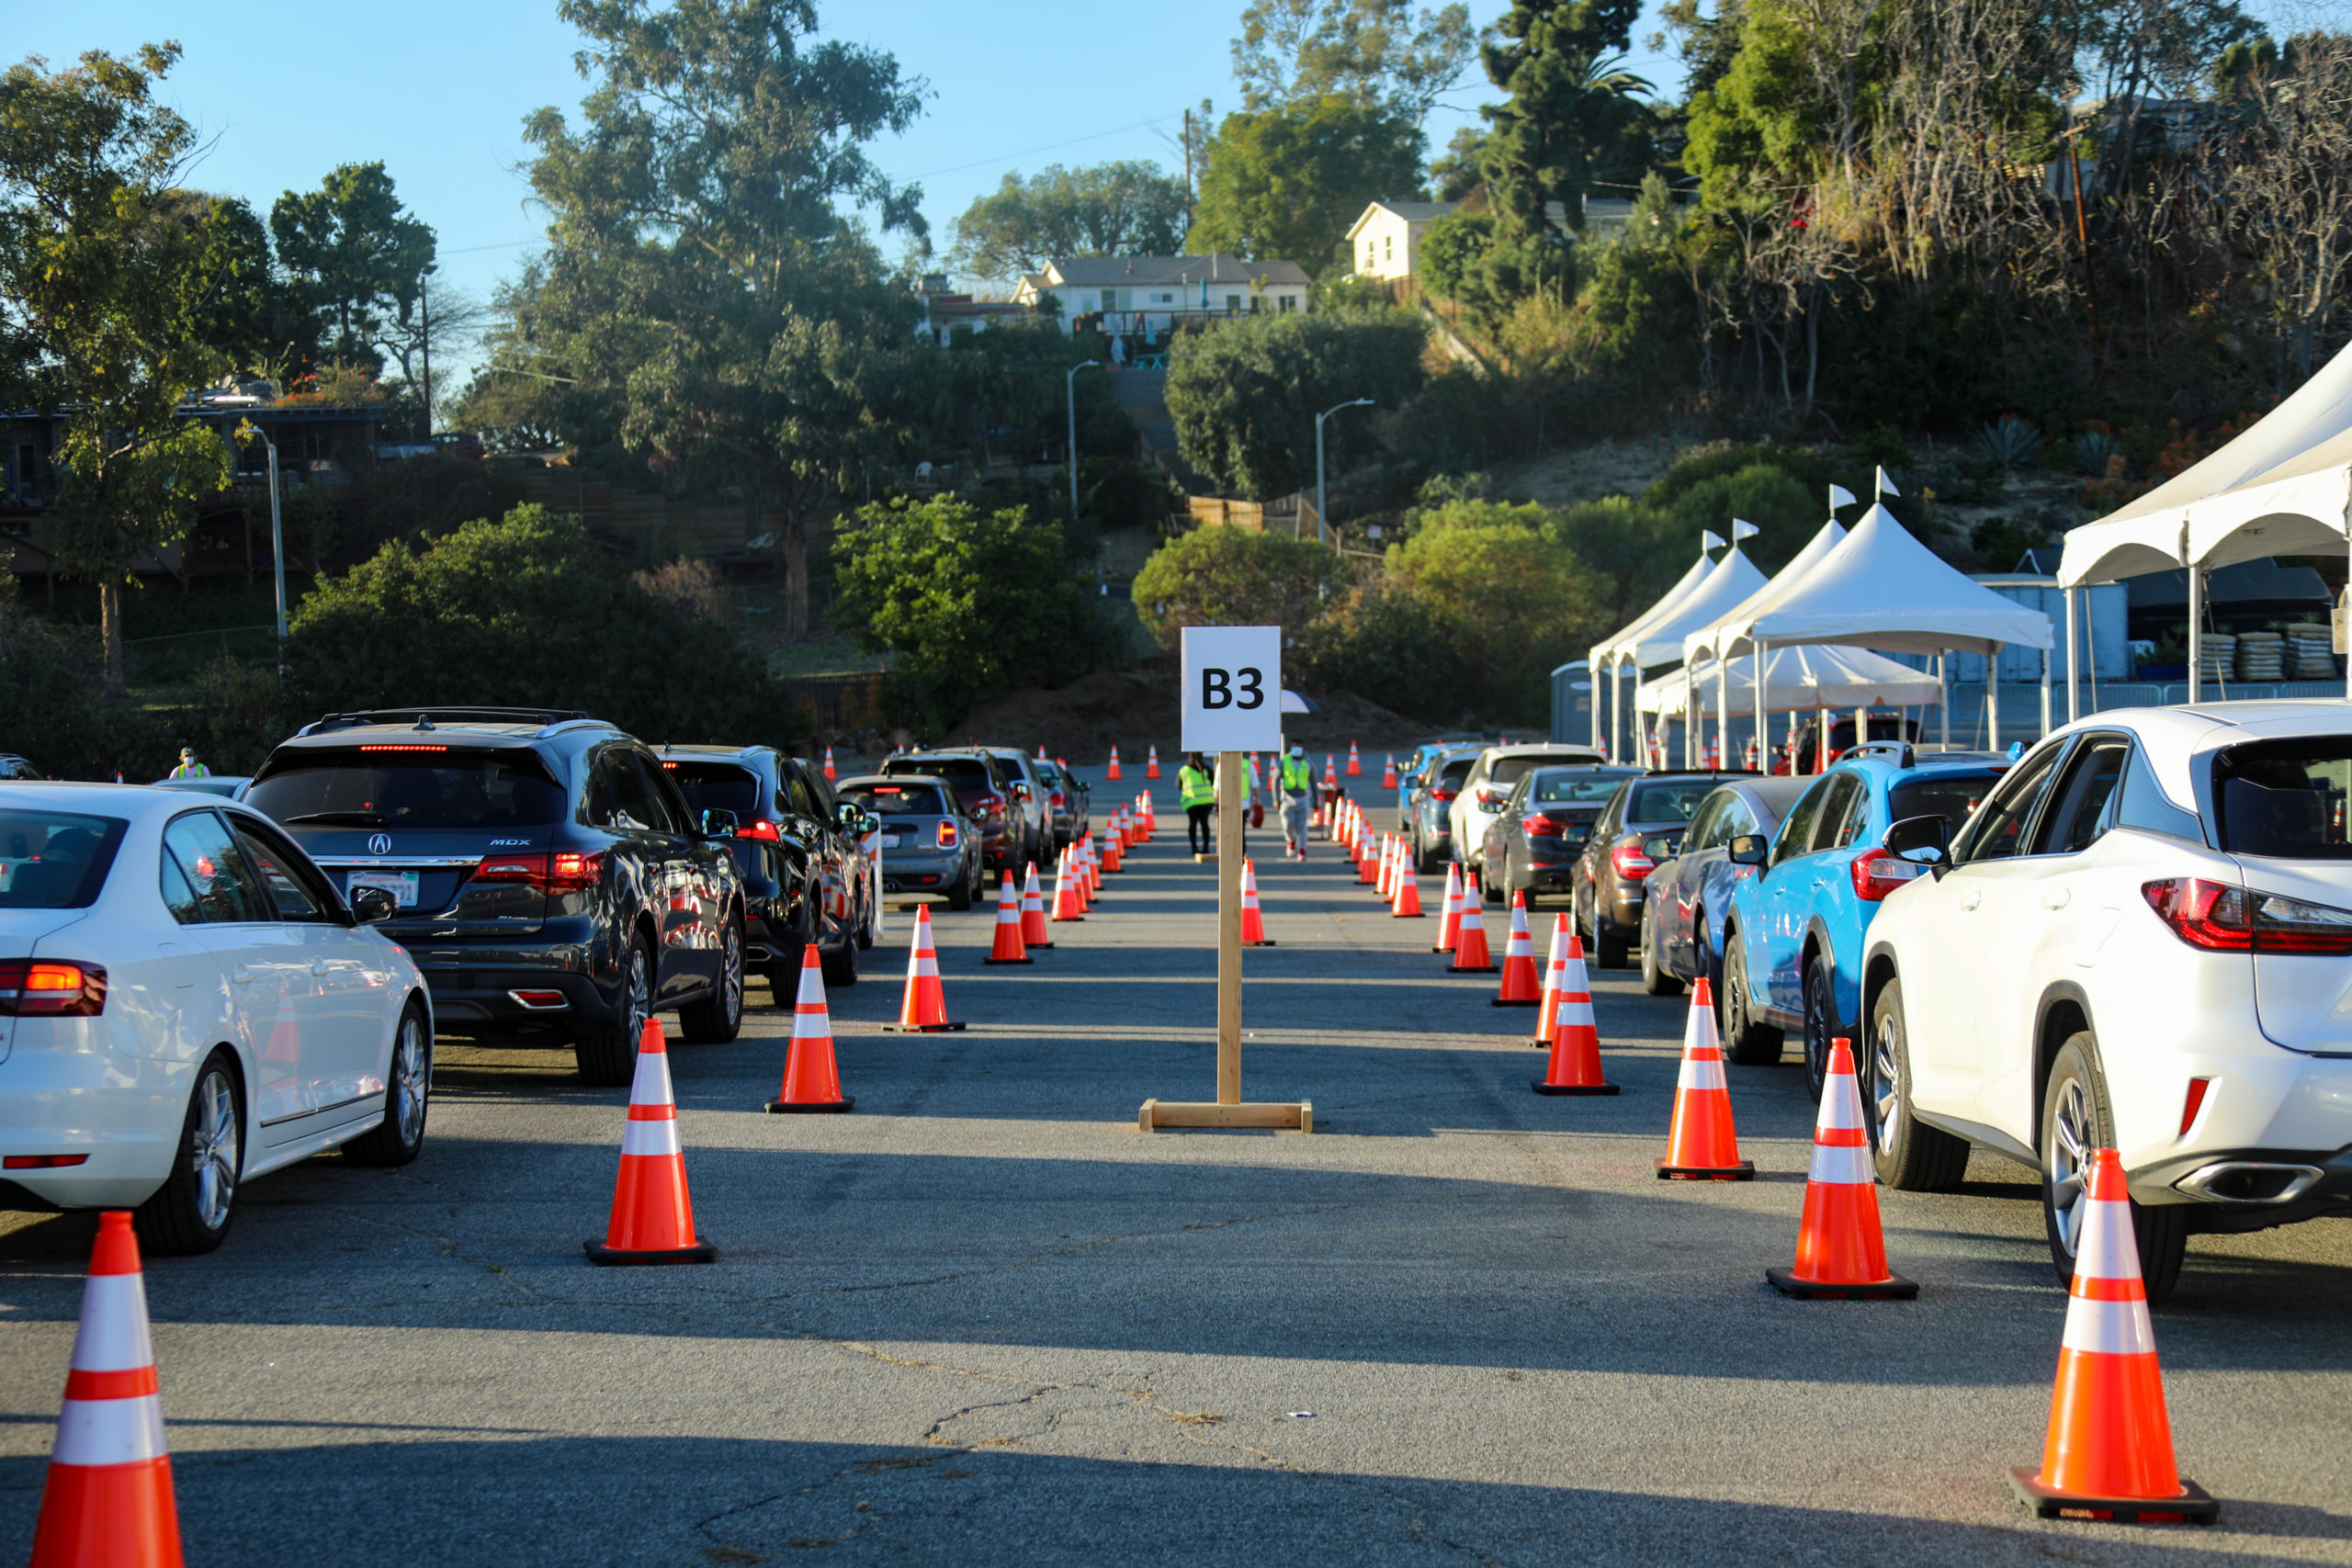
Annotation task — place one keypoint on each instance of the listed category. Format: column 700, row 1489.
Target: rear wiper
column 342, row 819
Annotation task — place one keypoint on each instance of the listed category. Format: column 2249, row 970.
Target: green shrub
column 1231, row 577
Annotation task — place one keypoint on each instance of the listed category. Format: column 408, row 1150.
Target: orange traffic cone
column 1555, row 974
column 1385, row 887
column 1522, row 987
column 1112, row 851
column 1367, row 862
column 924, row 1010
column 1034, row 933
column 1388, row 774
column 1701, row 1144
column 1355, row 763
column 652, row 1219
column 1150, row 818
column 1151, row 763
column 1470, row 954
column 1575, row 1067
column 1253, row 917
column 1330, row 773
column 2109, row 1452
column 1067, row 904
column 812, row 1080
column 1011, row 946
column 109, row 1498
column 1114, row 764
column 1449, row 926
column 1841, row 1252
column 829, row 763
column 1406, row 905
column 1090, row 879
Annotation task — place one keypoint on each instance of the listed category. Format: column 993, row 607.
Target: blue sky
column 438, row 90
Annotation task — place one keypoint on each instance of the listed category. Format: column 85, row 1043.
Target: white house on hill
column 1387, row 239
column 1148, row 294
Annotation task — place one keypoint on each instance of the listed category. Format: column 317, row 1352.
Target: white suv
column 1481, row 799
column 2139, row 940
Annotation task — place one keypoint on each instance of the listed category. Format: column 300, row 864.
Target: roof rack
column 1898, row 750
column 423, row 718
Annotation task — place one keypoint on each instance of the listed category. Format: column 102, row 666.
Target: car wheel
column 191, row 1212
column 606, row 1053
column 2076, row 1120
column 408, row 1090
column 1911, row 1156
column 1746, row 1039
column 1820, row 1023
column 1492, row 894
column 967, row 890
column 841, row 964
column 1657, row 980
column 718, row 1018
column 865, row 926
column 1610, row 948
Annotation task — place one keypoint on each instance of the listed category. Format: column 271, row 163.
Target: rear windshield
column 2285, row 798
column 908, row 799
column 1669, row 800
column 1455, row 772
column 1581, row 787
column 1509, row 770
column 970, row 779
column 54, row 860
column 717, row 786
column 417, row 787
column 1952, row 797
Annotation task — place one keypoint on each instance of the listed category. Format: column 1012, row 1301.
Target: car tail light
column 564, row 872
column 1442, row 796
column 1492, row 799
column 1877, row 874
column 763, row 828
column 573, row 873
column 993, row 806
column 49, row 987
column 947, row 834
column 2222, row 919
column 42, row 1162
column 1631, row 862
column 2194, row 1103
column 513, row 868
column 1542, row 826
column 404, row 747
column 1061, row 801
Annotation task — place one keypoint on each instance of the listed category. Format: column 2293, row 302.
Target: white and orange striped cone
column 653, row 1217
column 1388, row 773
column 1575, row 1066
column 829, row 763
column 1089, row 875
column 1556, row 974
column 1253, row 914
column 1068, row 904
column 1470, row 954
column 1113, row 852
column 1150, row 818
column 1151, row 761
column 109, row 1499
column 1449, row 924
column 812, row 1078
column 924, row 1010
column 1386, row 884
column 1355, row 763
column 1842, row 1250
column 1330, row 774
column 1701, row 1144
column 2109, row 1451
column 1367, row 862
column 1405, row 903
column 1011, row 945
column 1523, row 984
column 1114, row 764
column 1034, row 933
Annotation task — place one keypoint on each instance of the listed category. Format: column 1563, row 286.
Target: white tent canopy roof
column 2280, row 488
column 1881, row 588
column 1619, row 647
column 1784, row 582
column 1799, row 677
column 1734, row 579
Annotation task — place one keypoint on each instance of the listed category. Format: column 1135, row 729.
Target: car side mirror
column 1021, row 791
column 847, row 814
column 718, row 823
column 1748, row 849
column 370, row 905
column 1922, row 841
column 1085, row 789
column 1661, row 848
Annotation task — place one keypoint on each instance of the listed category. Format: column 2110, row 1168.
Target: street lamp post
column 277, row 540
column 1070, row 388
column 1321, row 528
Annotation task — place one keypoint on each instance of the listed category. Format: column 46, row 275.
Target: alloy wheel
column 2067, row 1156
column 1885, row 1097
column 731, row 971
column 414, row 1082
column 641, row 998
column 1818, row 1024
column 212, row 1154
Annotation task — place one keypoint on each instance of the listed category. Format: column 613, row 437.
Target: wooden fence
column 1291, row 515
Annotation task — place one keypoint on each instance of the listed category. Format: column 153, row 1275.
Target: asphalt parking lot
column 984, row 1320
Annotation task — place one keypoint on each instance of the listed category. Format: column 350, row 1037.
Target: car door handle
column 318, row 967
column 241, row 975
column 1970, row 899
column 2057, row 898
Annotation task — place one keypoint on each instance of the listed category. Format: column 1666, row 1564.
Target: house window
column 1370, row 256
column 1389, row 243
column 1163, row 298
column 1233, row 304
column 1286, row 302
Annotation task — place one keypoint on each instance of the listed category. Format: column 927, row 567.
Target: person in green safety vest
column 1298, row 789
column 189, row 767
column 1196, row 790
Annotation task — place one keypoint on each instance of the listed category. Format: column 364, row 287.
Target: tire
column 1746, row 1039
column 2075, row 1118
column 866, row 928
column 966, row 890
column 1821, row 1022
column 1426, row 863
column 191, row 1211
column 718, row 1018
column 1910, row 1156
column 606, row 1053
column 1610, row 948
column 408, row 1093
column 1491, row 895
column 839, row 964
column 1656, row 980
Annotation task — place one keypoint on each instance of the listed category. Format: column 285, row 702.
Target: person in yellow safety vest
column 189, row 767
column 1196, row 791
column 1298, row 788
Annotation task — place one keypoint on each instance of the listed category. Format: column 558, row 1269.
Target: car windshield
column 1953, row 796
column 408, row 785
column 1453, row 773
column 54, row 860
column 968, row 777
column 721, row 786
column 907, row 799
column 1581, row 787
column 1668, row 800
column 2285, row 798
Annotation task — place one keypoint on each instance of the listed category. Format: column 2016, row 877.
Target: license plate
column 889, row 840
column 401, row 884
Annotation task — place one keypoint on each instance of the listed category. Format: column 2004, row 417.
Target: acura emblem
column 379, row 844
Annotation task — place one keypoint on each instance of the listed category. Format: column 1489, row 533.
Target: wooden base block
column 1159, row 1114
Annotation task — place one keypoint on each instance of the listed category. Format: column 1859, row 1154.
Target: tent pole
column 1592, row 676
column 2045, row 693
column 1763, row 729
column 1616, row 701
column 2073, row 682
column 1723, row 710
column 1993, row 696
column 1820, row 737
column 2195, row 629
column 1943, row 704
column 1690, row 715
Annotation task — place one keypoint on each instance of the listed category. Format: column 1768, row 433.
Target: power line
column 1050, row 146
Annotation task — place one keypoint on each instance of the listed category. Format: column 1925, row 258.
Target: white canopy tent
column 1800, row 677
column 1879, row 588
column 2283, row 487
column 1654, row 637
column 1804, row 560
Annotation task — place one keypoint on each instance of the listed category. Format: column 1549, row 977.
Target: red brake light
column 42, row 1162
column 1442, row 796
column 2194, row 1103
column 513, row 868
column 1631, row 862
column 1060, row 800
column 2222, row 919
column 47, row 987
column 403, row 748
column 562, row 873
column 1542, row 826
column 763, row 828
column 1877, row 874
column 1491, row 798
column 575, row 873
column 947, row 836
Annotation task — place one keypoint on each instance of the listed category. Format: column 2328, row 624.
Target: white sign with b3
column 1233, row 687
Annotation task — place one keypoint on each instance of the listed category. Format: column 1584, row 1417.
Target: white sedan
column 2138, row 941
column 186, row 1003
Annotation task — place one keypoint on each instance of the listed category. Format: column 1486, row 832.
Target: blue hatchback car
column 1792, row 936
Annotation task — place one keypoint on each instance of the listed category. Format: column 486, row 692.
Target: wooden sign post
column 1232, row 692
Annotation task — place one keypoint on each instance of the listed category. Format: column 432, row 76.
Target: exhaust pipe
column 2249, row 1181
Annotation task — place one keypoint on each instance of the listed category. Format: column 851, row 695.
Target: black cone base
column 1540, row 1086
column 2195, row 1504
column 700, row 1252
column 1471, row 969
column 1008, row 961
column 1744, row 1171
column 1530, row 1002
column 1262, row 941
column 921, row 1027
column 810, row 1106
column 1893, row 1288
